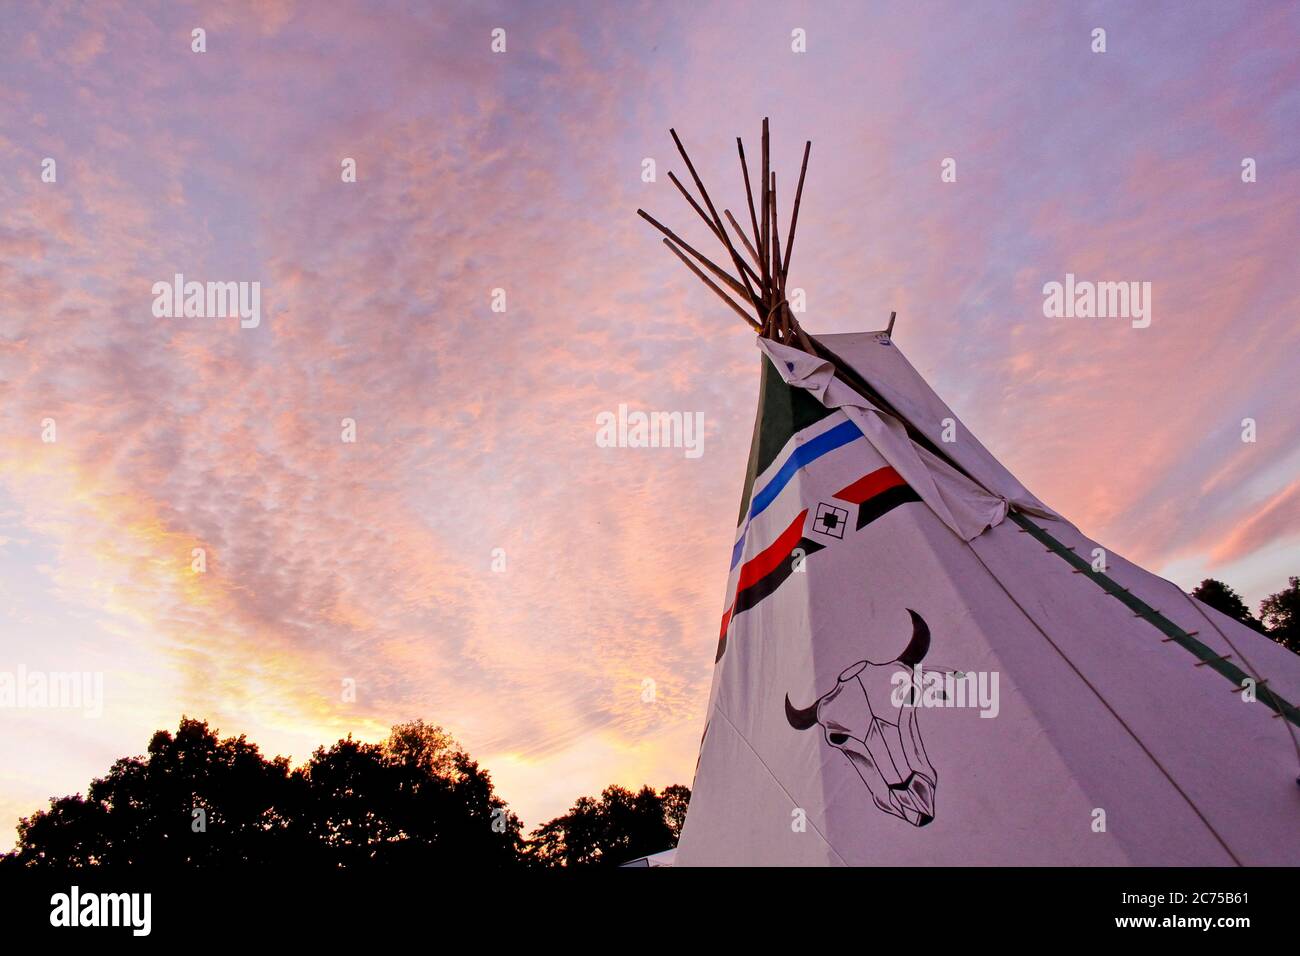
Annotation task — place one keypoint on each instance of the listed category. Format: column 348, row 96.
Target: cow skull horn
column 919, row 644
column 800, row 719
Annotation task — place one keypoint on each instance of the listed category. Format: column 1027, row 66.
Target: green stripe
column 1163, row 624
column 782, row 411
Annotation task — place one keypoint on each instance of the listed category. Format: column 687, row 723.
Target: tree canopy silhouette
column 417, row 798
column 619, row 827
column 196, row 800
column 1227, row 601
column 1281, row 615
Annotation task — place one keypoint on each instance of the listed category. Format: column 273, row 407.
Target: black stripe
column 886, row 501
column 766, row 585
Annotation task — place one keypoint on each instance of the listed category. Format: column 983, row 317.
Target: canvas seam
column 793, row 802
column 1087, row 683
column 1169, row 628
column 1258, row 674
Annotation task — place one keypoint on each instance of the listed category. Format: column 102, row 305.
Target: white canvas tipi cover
column 918, row 663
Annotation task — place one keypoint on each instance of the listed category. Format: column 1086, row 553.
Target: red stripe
column 868, row 486
column 765, row 563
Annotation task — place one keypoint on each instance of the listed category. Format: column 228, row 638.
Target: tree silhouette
column 192, row 800
column 1227, row 601
column 1281, row 615
column 675, row 798
column 417, row 798
column 619, row 827
column 414, row 798
column 195, row 800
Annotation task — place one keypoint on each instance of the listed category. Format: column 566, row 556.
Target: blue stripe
column 805, row 454
column 740, row 546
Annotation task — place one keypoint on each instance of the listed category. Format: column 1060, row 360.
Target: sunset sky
column 372, row 561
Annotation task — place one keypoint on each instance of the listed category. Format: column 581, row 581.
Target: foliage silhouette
column 619, row 827
column 195, row 800
column 1280, row 613
column 417, row 798
column 1227, row 601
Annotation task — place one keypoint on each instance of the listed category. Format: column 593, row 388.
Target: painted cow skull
column 881, row 739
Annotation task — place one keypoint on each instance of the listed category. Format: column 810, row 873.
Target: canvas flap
column 965, row 507
column 876, row 358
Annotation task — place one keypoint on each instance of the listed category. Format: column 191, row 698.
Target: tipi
column 921, row 663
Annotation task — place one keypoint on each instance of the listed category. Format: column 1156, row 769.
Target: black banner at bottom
column 640, row 906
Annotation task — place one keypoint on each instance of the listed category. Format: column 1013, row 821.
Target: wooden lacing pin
column 1258, row 684
column 1213, row 660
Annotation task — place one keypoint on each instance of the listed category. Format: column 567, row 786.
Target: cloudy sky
column 372, row 561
